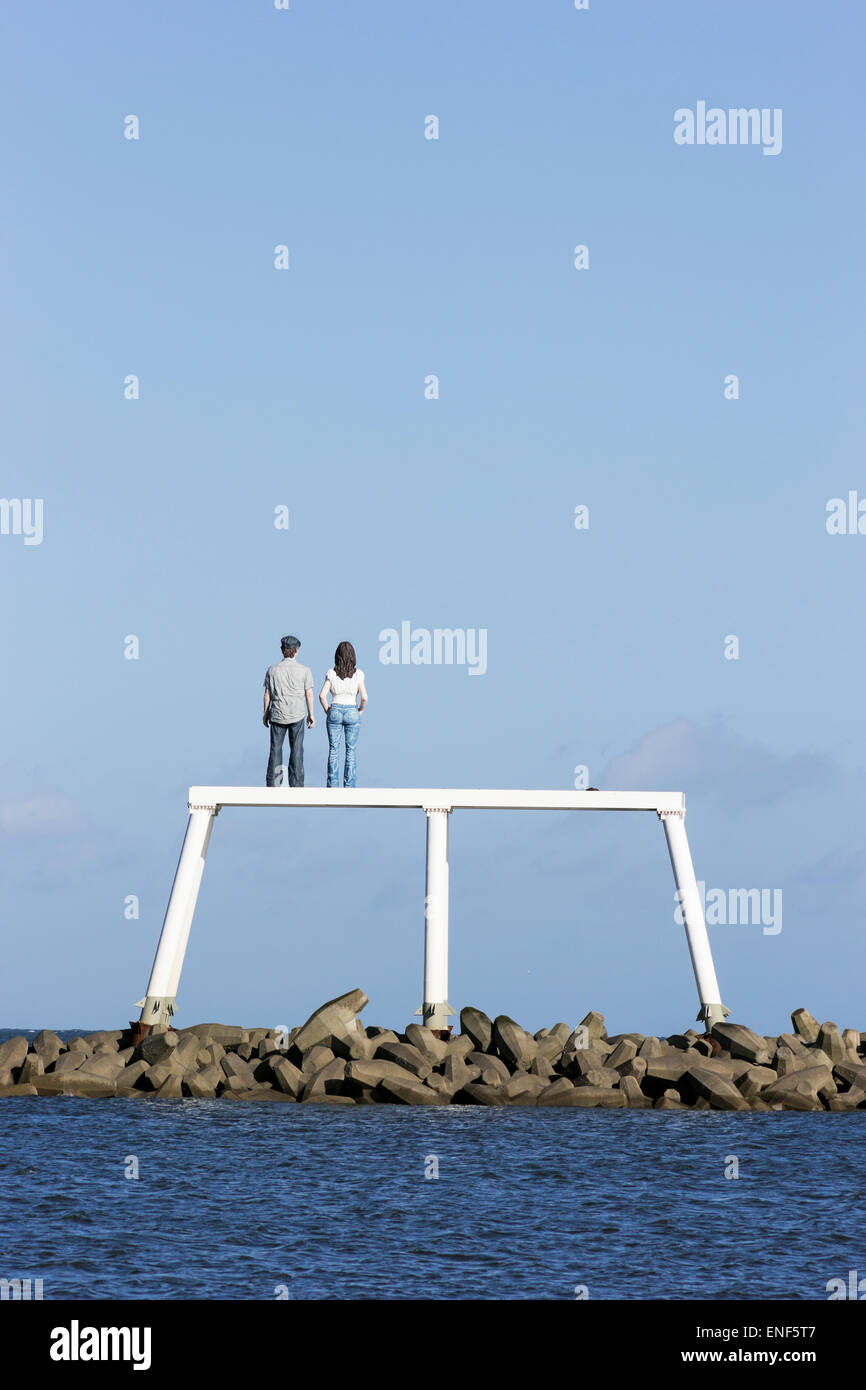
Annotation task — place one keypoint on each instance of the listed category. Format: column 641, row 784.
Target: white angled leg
column 189, row 913
column 436, row 1010
column 712, row 1009
column 158, row 1005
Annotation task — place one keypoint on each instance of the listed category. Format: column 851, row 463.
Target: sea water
column 253, row 1200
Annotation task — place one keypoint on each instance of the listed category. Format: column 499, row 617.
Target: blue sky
column 557, row 387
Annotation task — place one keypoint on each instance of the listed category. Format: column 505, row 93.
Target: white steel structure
column 206, row 802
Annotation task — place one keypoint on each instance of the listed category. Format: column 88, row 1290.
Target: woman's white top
column 344, row 689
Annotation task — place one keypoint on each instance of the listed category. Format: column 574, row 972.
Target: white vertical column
column 436, row 1010
column 712, row 1009
column 158, row 1005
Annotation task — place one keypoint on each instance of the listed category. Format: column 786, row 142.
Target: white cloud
column 37, row 814
column 715, row 763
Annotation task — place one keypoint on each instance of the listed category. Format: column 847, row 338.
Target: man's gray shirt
column 287, row 682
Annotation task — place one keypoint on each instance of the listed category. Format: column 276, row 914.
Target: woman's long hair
column 344, row 661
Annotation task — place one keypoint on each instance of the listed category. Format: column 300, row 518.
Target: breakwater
column 333, row 1059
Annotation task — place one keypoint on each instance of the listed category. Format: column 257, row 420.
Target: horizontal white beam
column 447, row 797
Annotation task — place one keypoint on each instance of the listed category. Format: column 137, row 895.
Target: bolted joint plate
column 436, row 1015
column 155, row 1010
column 711, row 1014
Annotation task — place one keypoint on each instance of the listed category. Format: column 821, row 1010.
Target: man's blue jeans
column 344, row 723
column 296, row 754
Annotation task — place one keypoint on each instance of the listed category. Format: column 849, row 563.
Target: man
column 288, row 685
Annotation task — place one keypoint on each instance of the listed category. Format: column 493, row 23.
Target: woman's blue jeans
column 344, row 723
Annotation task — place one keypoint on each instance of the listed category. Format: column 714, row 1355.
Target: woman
column 346, row 683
